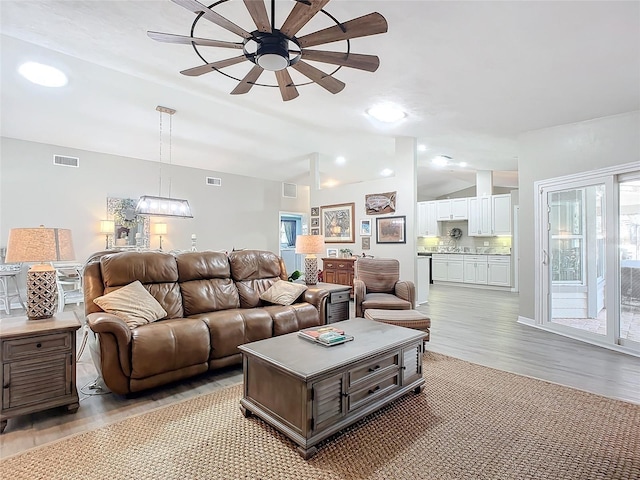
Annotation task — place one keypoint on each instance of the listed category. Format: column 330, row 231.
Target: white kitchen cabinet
column 499, row 270
column 480, row 217
column 501, row 214
column 452, row 209
column 427, row 220
column 448, row 267
column 475, row 269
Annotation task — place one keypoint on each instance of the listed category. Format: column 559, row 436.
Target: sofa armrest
column 318, row 298
column 406, row 290
column 115, row 339
column 359, row 291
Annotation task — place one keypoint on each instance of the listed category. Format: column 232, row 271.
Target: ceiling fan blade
column 248, row 81
column 300, row 14
column 196, row 7
column 258, row 12
column 171, row 38
column 371, row 24
column 287, row 88
column 210, row 67
column 327, row 82
column 370, row 63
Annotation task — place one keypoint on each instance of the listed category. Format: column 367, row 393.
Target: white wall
column 242, row 213
column 563, row 150
column 404, row 183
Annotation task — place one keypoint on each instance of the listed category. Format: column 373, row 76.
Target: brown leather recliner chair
column 378, row 285
column 213, row 305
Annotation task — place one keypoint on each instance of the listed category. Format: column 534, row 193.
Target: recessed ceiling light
column 462, row 164
column 340, row 160
column 422, row 148
column 441, row 160
column 44, row 75
column 386, row 112
column 386, row 172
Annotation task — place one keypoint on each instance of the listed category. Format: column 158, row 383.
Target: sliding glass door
column 589, row 256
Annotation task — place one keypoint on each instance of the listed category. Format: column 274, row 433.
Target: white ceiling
column 470, row 75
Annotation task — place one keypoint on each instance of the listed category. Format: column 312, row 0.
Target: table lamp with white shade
column 160, row 229
column 310, row 245
column 107, row 227
column 40, row 245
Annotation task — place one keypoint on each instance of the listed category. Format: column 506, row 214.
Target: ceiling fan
column 277, row 49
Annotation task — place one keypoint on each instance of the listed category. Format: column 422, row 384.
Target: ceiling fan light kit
column 277, row 49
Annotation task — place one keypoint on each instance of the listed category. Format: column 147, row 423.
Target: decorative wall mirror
column 130, row 230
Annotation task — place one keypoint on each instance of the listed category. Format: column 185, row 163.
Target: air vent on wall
column 215, row 182
column 290, row 190
column 63, row 161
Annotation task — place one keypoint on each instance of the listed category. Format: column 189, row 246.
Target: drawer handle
column 341, row 265
column 38, row 345
column 374, row 368
column 374, row 390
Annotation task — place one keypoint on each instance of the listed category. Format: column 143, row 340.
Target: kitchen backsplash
column 465, row 243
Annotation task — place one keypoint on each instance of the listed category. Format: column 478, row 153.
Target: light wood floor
column 475, row 325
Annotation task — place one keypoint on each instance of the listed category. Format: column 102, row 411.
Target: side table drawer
column 37, row 345
column 337, row 297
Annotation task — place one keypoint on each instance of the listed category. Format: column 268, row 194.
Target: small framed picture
column 365, row 228
column 315, row 231
column 315, row 222
column 391, row 229
column 315, row 211
column 332, row 253
column 366, row 243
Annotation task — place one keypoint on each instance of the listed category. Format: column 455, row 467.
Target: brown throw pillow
column 133, row 304
column 283, row 293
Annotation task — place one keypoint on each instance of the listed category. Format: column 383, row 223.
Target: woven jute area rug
column 471, row 422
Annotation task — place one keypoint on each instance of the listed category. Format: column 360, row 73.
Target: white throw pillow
column 132, row 303
column 283, row 293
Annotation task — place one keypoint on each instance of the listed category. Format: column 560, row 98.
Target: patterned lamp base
column 310, row 270
column 42, row 293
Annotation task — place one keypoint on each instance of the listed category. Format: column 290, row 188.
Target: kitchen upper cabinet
column 490, row 216
column 480, row 217
column 427, row 221
column 453, row 209
column 501, row 218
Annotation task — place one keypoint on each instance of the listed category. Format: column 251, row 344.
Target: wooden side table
column 337, row 302
column 339, row 270
column 38, row 365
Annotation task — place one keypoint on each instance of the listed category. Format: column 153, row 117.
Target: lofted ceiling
column 470, row 75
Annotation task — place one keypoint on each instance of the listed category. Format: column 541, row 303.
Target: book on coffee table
column 327, row 336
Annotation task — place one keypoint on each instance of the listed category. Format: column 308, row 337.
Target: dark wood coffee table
column 309, row 392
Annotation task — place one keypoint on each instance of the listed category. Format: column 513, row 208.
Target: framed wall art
column 315, row 221
column 365, row 228
column 380, row 203
column 315, row 231
column 391, row 229
column 315, row 211
column 332, row 253
column 337, row 223
column 366, row 243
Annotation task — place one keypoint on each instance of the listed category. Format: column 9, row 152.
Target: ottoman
column 401, row 318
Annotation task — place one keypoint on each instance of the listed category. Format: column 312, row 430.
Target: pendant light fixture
column 159, row 206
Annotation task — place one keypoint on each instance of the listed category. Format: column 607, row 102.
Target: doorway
column 590, row 258
column 291, row 225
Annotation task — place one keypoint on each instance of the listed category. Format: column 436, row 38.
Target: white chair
column 9, row 272
column 69, row 280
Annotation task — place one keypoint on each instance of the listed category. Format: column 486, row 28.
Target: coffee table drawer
column 361, row 377
column 381, row 388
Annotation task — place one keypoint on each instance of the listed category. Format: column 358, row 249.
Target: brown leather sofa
column 212, row 304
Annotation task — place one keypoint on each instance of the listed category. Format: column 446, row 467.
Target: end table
column 337, row 301
column 38, row 365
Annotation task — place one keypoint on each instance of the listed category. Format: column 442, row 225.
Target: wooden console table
column 309, row 392
column 38, row 365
